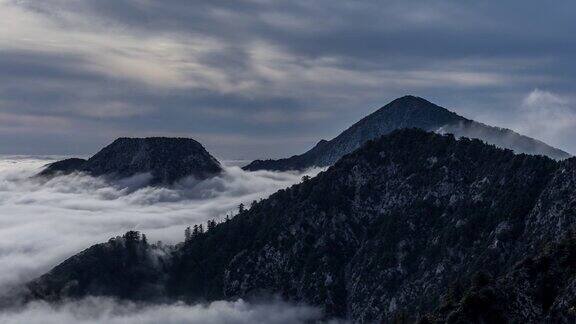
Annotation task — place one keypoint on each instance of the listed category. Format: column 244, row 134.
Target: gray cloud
column 243, row 75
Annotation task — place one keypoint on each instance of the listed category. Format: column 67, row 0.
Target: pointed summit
column 410, row 100
column 407, row 112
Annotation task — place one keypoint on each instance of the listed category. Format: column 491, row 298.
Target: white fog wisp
column 94, row 310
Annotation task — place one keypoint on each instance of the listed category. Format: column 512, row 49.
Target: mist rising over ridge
column 407, row 112
column 380, row 235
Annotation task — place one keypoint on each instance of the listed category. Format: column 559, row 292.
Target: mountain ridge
column 405, row 112
column 377, row 237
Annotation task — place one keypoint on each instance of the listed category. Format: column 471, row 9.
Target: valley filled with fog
column 104, row 310
column 45, row 221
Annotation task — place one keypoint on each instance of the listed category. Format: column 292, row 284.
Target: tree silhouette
column 132, row 236
column 131, row 239
column 211, row 224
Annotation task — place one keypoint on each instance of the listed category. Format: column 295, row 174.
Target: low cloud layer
column 44, row 222
column 102, row 310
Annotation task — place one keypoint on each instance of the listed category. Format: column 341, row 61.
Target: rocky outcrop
column 400, row 229
column 166, row 160
column 539, row 289
column 406, row 112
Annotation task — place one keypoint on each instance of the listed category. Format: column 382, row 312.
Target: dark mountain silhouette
column 406, row 112
column 165, row 159
column 413, row 225
column 65, row 166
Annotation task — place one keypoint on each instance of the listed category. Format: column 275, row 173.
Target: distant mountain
column 165, row 159
column 411, row 225
column 406, row 112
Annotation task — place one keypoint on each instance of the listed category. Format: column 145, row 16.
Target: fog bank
column 44, row 222
column 104, row 310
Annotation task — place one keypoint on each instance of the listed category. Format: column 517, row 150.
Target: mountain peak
column 410, row 99
column 166, row 159
column 417, row 104
column 407, row 112
column 360, row 238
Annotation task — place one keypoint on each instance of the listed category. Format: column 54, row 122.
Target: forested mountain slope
column 382, row 235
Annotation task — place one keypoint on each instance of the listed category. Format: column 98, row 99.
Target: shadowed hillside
column 379, row 236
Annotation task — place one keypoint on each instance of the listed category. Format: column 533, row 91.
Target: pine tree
column 200, row 229
column 211, row 225
column 132, row 236
column 131, row 240
column 241, row 208
column 196, row 231
column 187, row 234
column 144, row 240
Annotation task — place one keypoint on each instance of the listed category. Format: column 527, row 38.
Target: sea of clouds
column 43, row 222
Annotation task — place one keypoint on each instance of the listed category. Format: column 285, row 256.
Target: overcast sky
column 263, row 78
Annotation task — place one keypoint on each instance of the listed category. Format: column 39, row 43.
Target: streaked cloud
column 295, row 69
